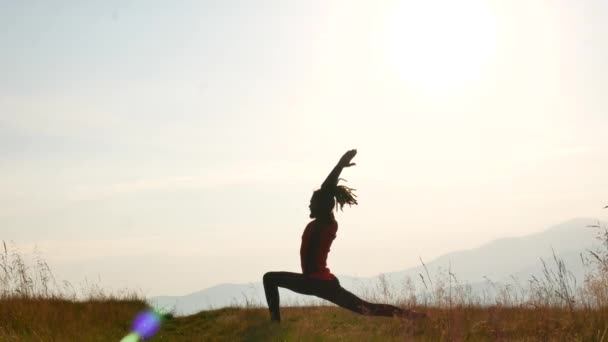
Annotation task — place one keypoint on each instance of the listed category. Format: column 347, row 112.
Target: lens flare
column 146, row 323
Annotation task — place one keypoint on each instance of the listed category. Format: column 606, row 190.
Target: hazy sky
column 174, row 145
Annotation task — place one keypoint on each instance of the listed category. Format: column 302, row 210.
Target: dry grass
column 35, row 307
column 54, row 319
column 108, row 320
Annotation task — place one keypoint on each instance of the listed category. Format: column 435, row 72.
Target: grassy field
column 335, row 324
column 109, row 320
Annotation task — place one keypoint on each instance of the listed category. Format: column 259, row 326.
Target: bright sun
column 439, row 47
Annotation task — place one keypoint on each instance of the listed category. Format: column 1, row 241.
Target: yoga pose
column 316, row 278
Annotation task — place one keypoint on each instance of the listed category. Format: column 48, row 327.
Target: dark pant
column 327, row 289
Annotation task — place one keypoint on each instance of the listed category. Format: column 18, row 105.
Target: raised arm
column 334, row 175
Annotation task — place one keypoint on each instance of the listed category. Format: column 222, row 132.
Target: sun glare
column 441, row 47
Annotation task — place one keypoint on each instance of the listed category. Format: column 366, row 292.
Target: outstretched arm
column 334, row 175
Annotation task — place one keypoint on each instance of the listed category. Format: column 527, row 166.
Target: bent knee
column 268, row 276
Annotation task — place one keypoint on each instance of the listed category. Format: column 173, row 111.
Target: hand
column 347, row 157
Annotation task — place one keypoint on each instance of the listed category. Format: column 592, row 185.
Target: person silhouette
column 316, row 278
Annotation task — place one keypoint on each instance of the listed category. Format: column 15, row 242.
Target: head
column 321, row 204
column 324, row 200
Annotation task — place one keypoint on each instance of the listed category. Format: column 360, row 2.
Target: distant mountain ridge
column 513, row 255
column 498, row 260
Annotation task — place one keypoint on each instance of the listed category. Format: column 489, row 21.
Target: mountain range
column 500, row 261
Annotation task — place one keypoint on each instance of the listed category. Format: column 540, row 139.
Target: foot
column 275, row 317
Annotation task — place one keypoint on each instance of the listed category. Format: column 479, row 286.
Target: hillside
column 335, row 324
column 56, row 320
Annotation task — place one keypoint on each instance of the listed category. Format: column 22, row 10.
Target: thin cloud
column 270, row 172
column 572, row 151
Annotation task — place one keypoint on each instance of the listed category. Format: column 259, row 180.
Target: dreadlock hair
column 344, row 195
column 340, row 194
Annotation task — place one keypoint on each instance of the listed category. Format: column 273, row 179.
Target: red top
column 316, row 240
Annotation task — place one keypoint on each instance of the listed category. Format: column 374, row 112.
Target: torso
column 316, row 242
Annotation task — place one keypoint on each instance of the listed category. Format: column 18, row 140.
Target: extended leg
column 346, row 299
